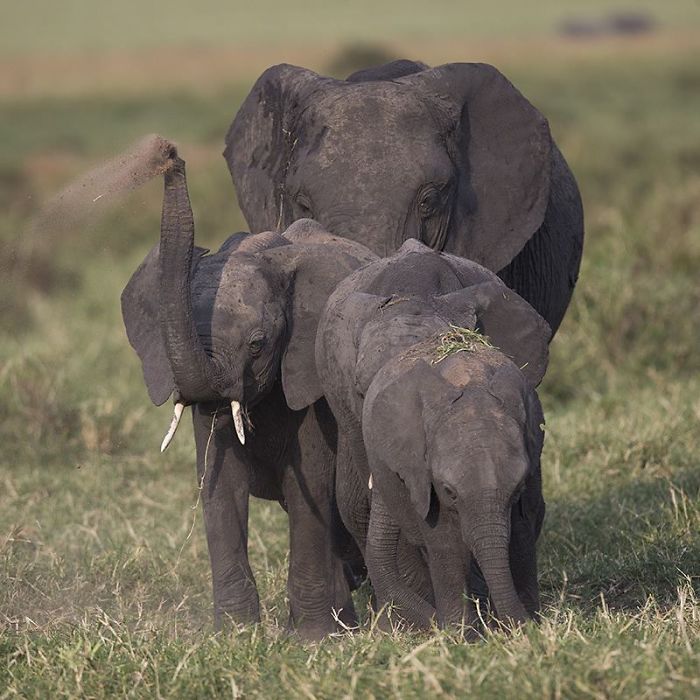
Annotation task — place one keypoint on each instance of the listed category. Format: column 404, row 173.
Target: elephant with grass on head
column 232, row 334
column 454, row 156
column 430, row 363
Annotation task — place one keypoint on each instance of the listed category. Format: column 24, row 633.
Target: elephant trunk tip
column 160, row 153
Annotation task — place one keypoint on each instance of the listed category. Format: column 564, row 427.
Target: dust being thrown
column 90, row 195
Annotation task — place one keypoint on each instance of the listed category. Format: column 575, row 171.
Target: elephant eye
column 449, row 492
column 303, row 205
column 256, row 342
column 429, row 202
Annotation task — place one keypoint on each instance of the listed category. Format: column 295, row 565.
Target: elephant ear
column 535, row 427
column 389, row 71
column 315, row 271
column 533, row 502
column 260, row 141
column 140, row 303
column 509, row 322
column 393, row 425
column 503, row 148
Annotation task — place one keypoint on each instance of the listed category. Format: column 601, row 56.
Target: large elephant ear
column 509, row 322
column 503, row 149
column 260, row 141
column 393, row 425
column 315, row 268
column 140, row 303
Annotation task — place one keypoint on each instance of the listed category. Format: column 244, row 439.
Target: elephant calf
column 232, row 334
column 440, row 430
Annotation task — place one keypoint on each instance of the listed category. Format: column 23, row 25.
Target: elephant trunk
column 195, row 375
column 489, row 542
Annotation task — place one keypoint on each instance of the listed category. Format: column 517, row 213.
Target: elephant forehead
column 425, row 274
column 381, row 100
column 382, row 122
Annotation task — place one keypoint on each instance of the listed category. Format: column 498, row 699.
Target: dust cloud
column 92, row 194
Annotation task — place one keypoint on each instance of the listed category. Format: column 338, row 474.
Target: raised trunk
column 194, row 372
column 489, row 544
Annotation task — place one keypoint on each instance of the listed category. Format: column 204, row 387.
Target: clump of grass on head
column 459, row 339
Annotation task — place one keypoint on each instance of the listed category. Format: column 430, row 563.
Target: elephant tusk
column 369, row 483
column 238, row 421
column 177, row 414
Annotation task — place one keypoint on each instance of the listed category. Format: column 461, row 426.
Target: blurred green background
column 104, row 575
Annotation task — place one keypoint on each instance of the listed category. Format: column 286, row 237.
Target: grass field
column 104, row 575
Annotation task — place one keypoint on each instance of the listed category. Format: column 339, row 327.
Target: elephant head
column 454, row 156
column 226, row 326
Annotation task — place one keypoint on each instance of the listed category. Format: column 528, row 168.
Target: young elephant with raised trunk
column 232, row 334
column 443, row 426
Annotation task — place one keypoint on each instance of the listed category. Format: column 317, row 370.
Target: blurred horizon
column 78, row 48
column 46, row 26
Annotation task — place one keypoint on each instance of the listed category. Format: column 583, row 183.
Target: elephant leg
column 449, row 561
column 352, row 490
column 382, row 563
column 523, row 561
column 414, row 569
column 348, row 551
column 222, row 472
column 316, row 585
column 478, row 590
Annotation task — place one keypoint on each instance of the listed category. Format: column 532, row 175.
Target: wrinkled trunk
column 489, row 543
column 194, row 372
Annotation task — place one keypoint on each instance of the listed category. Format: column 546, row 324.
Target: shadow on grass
column 626, row 543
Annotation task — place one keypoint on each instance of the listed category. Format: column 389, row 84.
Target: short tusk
column 238, row 421
column 369, row 483
column 177, row 414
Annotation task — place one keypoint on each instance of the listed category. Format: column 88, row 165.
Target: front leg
column 351, row 482
column 382, row 557
column 223, row 475
column 449, row 562
column 317, row 585
column 527, row 515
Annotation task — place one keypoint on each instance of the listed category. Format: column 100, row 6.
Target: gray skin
column 454, row 156
column 453, row 447
column 240, row 325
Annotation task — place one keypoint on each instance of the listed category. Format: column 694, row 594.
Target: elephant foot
column 225, row 617
column 339, row 622
column 240, row 606
column 393, row 617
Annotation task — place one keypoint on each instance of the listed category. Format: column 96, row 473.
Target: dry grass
column 459, row 339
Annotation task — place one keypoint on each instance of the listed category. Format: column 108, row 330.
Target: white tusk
column 369, row 483
column 238, row 421
column 177, row 414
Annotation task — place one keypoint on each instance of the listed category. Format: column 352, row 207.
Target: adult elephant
column 454, row 156
column 232, row 334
